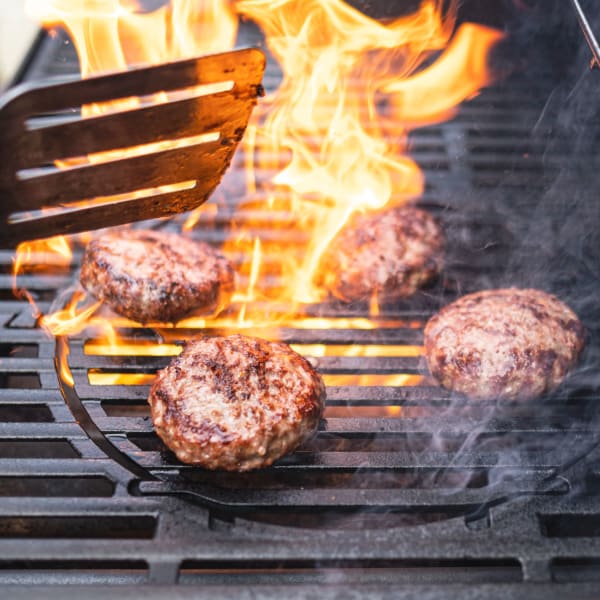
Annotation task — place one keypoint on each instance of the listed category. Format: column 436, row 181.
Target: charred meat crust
column 390, row 254
column 507, row 343
column 236, row 403
column 155, row 276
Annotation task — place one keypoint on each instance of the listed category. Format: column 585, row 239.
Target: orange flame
column 132, row 347
column 112, row 35
column 97, row 377
column 434, row 94
column 99, row 347
column 72, row 317
column 323, row 133
column 324, row 115
column 39, row 256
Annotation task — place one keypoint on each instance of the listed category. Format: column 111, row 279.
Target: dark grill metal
column 495, row 499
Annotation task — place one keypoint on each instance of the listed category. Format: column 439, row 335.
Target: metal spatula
column 199, row 121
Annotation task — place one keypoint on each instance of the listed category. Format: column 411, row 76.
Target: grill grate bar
column 40, row 430
column 48, row 467
column 380, row 462
column 327, row 364
column 372, row 426
column 341, row 499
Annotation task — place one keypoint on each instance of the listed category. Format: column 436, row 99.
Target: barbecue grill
column 405, row 489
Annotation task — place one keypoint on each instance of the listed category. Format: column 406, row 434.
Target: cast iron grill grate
column 73, row 513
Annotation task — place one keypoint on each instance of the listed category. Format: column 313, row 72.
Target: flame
column 318, row 350
column 324, row 116
column 399, row 380
column 72, row 317
column 113, row 35
column 63, row 364
column 250, row 294
column 62, row 323
column 287, row 320
column 101, row 378
column 121, row 347
column 130, row 348
column 325, row 134
column 80, row 314
column 39, row 256
column 208, row 209
column 133, row 347
column 96, row 377
column 434, row 94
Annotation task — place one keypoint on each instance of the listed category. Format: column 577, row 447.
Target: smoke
column 538, row 224
column 534, row 225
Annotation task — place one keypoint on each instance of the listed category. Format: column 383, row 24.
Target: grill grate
column 372, row 501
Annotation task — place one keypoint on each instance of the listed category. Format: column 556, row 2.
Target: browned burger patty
column 507, row 343
column 155, row 276
column 390, row 254
column 236, row 403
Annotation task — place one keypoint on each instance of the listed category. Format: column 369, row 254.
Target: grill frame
column 524, row 540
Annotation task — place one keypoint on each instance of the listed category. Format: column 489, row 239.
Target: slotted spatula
column 41, row 124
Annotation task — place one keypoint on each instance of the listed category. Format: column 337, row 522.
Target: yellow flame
column 63, row 365
column 339, row 164
column 39, row 256
column 127, row 347
column 63, row 322
column 366, row 379
column 130, row 348
column 100, row 378
column 112, row 35
column 322, row 133
column 434, row 94
column 318, row 350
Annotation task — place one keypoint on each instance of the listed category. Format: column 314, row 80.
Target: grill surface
column 494, row 500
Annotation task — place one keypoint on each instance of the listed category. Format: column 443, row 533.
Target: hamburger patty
column 390, row 254
column 236, row 403
column 507, row 343
column 155, row 276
